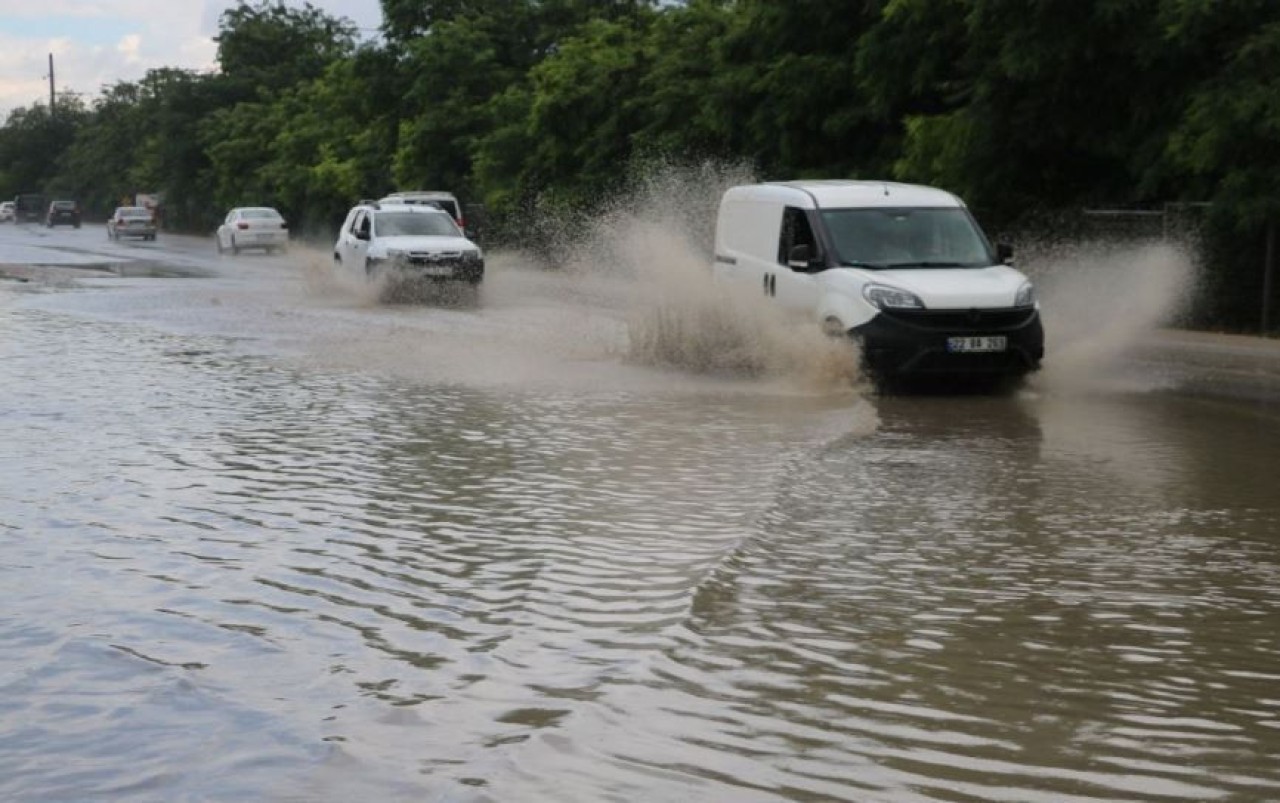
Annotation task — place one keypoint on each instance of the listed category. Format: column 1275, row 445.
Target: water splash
column 1101, row 301
column 655, row 241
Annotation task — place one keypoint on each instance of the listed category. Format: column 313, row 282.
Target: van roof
column 417, row 209
column 420, row 194
column 843, row 194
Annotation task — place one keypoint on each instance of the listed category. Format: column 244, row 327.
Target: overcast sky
column 96, row 43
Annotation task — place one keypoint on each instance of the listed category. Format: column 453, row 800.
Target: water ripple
column 228, row 578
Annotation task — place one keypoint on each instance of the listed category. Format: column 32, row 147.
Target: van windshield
column 907, row 238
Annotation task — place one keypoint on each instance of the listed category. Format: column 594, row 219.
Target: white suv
column 406, row 241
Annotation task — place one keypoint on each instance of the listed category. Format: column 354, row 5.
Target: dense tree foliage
column 1024, row 108
column 270, row 48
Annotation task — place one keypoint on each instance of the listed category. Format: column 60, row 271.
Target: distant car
column 63, row 212
column 437, row 198
column 6, row 212
column 252, row 227
column 131, row 221
column 406, row 241
column 29, row 207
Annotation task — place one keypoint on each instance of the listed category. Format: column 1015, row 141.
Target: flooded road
column 265, row 538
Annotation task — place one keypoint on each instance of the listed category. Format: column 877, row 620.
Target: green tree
column 32, row 142
column 1227, row 143
column 791, row 90
column 451, row 78
column 1228, row 138
column 270, row 47
column 335, row 141
column 585, row 111
column 1051, row 105
column 686, row 91
column 102, row 161
column 171, row 158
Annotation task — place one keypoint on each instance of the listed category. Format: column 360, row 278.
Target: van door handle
column 770, row 284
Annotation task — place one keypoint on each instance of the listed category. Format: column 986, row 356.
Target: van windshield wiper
column 927, row 264
column 853, row 263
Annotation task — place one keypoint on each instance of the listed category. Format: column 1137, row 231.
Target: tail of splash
column 1100, row 303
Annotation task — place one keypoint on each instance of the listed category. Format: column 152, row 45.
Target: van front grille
column 961, row 320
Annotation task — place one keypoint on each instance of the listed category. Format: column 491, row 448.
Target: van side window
column 357, row 221
column 795, row 231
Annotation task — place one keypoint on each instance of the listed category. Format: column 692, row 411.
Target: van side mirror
column 362, row 233
column 801, row 257
column 1004, row 253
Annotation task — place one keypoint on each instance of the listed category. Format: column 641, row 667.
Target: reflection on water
column 222, row 578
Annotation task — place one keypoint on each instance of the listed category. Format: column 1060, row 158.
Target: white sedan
column 252, row 227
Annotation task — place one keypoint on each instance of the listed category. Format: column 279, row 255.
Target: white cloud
column 128, row 48
column 95, row 45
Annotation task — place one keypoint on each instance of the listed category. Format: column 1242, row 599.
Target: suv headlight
column 886, row 297
column 1026, row 296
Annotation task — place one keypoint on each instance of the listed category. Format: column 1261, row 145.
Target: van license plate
column 437, row 271
column 978, row 343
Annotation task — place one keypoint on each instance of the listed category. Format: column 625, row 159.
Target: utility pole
column 51, row 101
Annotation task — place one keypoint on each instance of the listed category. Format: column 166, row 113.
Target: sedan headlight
column 1026, row 296
column 885, row 297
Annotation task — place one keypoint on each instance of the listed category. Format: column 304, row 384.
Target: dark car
column 60, row 212
column 29, row 207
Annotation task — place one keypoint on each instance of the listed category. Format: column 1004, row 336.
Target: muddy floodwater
column 263, row 537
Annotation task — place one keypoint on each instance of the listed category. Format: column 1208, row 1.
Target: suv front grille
column 433, row 257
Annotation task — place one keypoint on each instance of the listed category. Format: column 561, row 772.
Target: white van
column 902, row 268
column 437, row 198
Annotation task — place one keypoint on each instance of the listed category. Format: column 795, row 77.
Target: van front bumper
column 919, row 342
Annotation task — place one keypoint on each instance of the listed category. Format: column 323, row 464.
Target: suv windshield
column 907, row 238
column 399, row 224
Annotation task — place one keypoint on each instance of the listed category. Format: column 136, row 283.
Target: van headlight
column 1026, row 296
column 883, row 296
